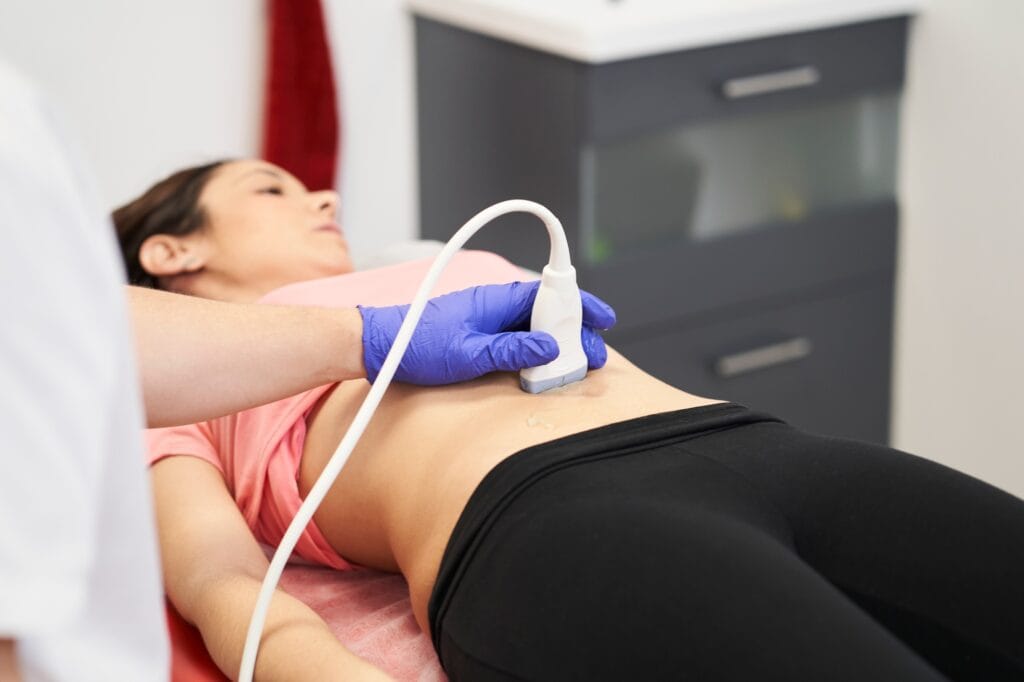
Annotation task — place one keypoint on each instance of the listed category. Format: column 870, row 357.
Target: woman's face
column 264, row 229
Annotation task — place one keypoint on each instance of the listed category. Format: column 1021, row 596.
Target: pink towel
column 370, row 613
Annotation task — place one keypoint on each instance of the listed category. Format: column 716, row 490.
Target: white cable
column 558, row 261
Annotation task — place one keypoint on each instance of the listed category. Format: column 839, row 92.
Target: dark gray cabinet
column 735, row 203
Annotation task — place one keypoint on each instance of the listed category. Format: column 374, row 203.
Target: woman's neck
column 220, row 290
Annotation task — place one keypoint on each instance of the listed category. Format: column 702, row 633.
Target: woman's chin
column 343, row 267
column 344, row 263
column 332, row 268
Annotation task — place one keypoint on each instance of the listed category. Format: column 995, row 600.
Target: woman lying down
column 617, row 528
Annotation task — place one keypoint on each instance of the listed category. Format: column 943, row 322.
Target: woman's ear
column 164, row 255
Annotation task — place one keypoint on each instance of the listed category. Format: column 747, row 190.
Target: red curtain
column 300, row 129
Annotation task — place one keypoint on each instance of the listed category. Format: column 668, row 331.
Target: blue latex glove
column 469, row 333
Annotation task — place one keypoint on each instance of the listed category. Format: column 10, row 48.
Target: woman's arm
column 200, row 359
column 8, row 661
column 213, row 568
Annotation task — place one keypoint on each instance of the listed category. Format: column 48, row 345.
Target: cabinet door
column 822, row 364
column 689, row 184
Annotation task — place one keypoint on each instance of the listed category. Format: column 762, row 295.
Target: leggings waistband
column 518, row 472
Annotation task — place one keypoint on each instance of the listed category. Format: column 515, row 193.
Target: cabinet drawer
column 659, row 286
column 631, row 96
column 822, row 365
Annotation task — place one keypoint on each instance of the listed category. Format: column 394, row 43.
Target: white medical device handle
column 558, row 260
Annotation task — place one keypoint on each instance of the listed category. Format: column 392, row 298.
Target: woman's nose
column 326, row 201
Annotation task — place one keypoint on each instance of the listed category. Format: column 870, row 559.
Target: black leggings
column 721, row 544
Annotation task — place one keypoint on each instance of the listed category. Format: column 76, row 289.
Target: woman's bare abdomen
column 399, row 496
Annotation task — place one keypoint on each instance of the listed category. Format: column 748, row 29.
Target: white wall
column 145, row 87
column 959, row 395
column 372, row 47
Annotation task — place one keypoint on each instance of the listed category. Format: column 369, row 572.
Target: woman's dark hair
column 171, row 206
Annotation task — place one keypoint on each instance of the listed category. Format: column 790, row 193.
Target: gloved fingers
column 504, row 307
column 507, row 307
column 594, row 348
column 596, row 313
column 521, row 295
column 511, row 351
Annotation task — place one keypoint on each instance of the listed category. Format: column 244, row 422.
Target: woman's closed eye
column 271, row 190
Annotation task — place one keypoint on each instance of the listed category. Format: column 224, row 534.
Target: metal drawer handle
column 762, row 84
column 792, row 350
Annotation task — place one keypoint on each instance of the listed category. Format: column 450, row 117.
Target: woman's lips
column 330, row 227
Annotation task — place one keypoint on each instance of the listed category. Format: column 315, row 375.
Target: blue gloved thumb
column 510, row 351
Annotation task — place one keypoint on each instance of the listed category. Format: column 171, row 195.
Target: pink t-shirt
column 258, row 450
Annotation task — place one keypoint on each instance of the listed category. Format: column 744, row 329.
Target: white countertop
column 607, row 30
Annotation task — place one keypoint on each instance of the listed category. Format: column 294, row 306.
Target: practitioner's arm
column 201, row 359
column 213, row 569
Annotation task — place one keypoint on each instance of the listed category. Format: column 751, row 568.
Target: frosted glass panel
column 703, row 181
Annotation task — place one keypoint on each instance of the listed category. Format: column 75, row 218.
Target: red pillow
column 189, row 660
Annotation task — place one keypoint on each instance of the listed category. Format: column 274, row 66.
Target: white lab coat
column 80, row 587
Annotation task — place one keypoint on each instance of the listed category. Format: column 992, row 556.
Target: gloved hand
column 469, row 333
